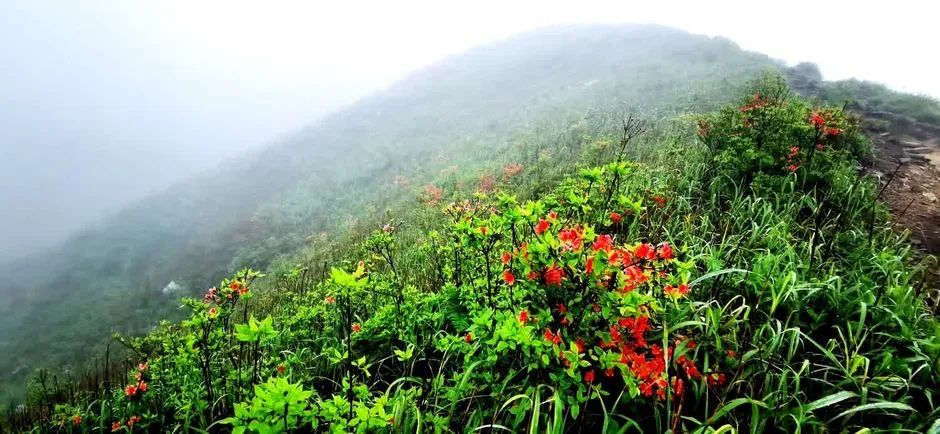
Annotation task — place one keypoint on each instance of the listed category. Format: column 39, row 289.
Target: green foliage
column 277, row 406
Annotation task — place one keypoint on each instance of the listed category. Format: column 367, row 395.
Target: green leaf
column 876, row 406
column 829, row 400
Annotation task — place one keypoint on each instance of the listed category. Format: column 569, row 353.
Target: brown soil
column 913, row 151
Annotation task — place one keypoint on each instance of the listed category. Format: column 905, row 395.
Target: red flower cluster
column 524, row 317
column 756, row 103
column 135, row 390
column 487, row 183
column 432, row 194
column 118, row 425
column 541, row 226
column 571, row 239
column 664, row 251
column 716, row 379
column 356, row 327
column 676, row 291
column 509, row 277
column 512, row 169
column 77, row 419
column 792, row 159
column 589, row 376
column 212, row 295
column 615, row 216
column 603, row 242
column 645, row 251
column 238, row 287
column 554, row 338
column 817, row 120
column 553, row 275
column 660, row 201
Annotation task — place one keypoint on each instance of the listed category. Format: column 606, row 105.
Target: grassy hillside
column 605, row 229
column 464, row 112
column 723, row 271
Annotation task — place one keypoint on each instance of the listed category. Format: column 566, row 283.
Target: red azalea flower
column 615, row 217
column 142, row 367
column 793, row 167
column 609, row 372
column 132, row 421
column 130, row 390
column 213, row 312
column 468, row 338
column 541, row 227
column 524, row 317
column 281, row 368
column 579, row 345
column 833, row 132
column 356, row 327
column 564, row 321
column 117, row 425
column 716, row 379
column 665, row 251
column 571, row 239
column 509, row 277
column 589, row 265
column 533, row 275
column 817, row 120
column 645, row 251
column 677, row 291
column 603, row 242
column 589, row 376
column 553, row 275
column 506, row 258
column 820, row 147
column 562, row 308
column 635, row 275
column 77, row 419
column 142, row 387
column 553, row 215
column 615, row 335
column 660, row 201
column 677, row 386
column 329, row 299
column 554, row 338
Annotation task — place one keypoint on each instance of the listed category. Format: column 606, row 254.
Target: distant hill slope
column 59, row 308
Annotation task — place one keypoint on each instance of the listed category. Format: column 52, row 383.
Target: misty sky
column 102, row 102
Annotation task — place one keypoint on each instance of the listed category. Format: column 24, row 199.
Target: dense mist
column 101, row 106
column 104, row 102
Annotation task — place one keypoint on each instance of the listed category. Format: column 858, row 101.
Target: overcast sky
column 102, row 102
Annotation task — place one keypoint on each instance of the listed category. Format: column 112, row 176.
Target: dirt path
column 913, row 150
column 910, row 151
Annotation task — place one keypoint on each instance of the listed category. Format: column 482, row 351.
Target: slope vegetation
column 458, row 115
